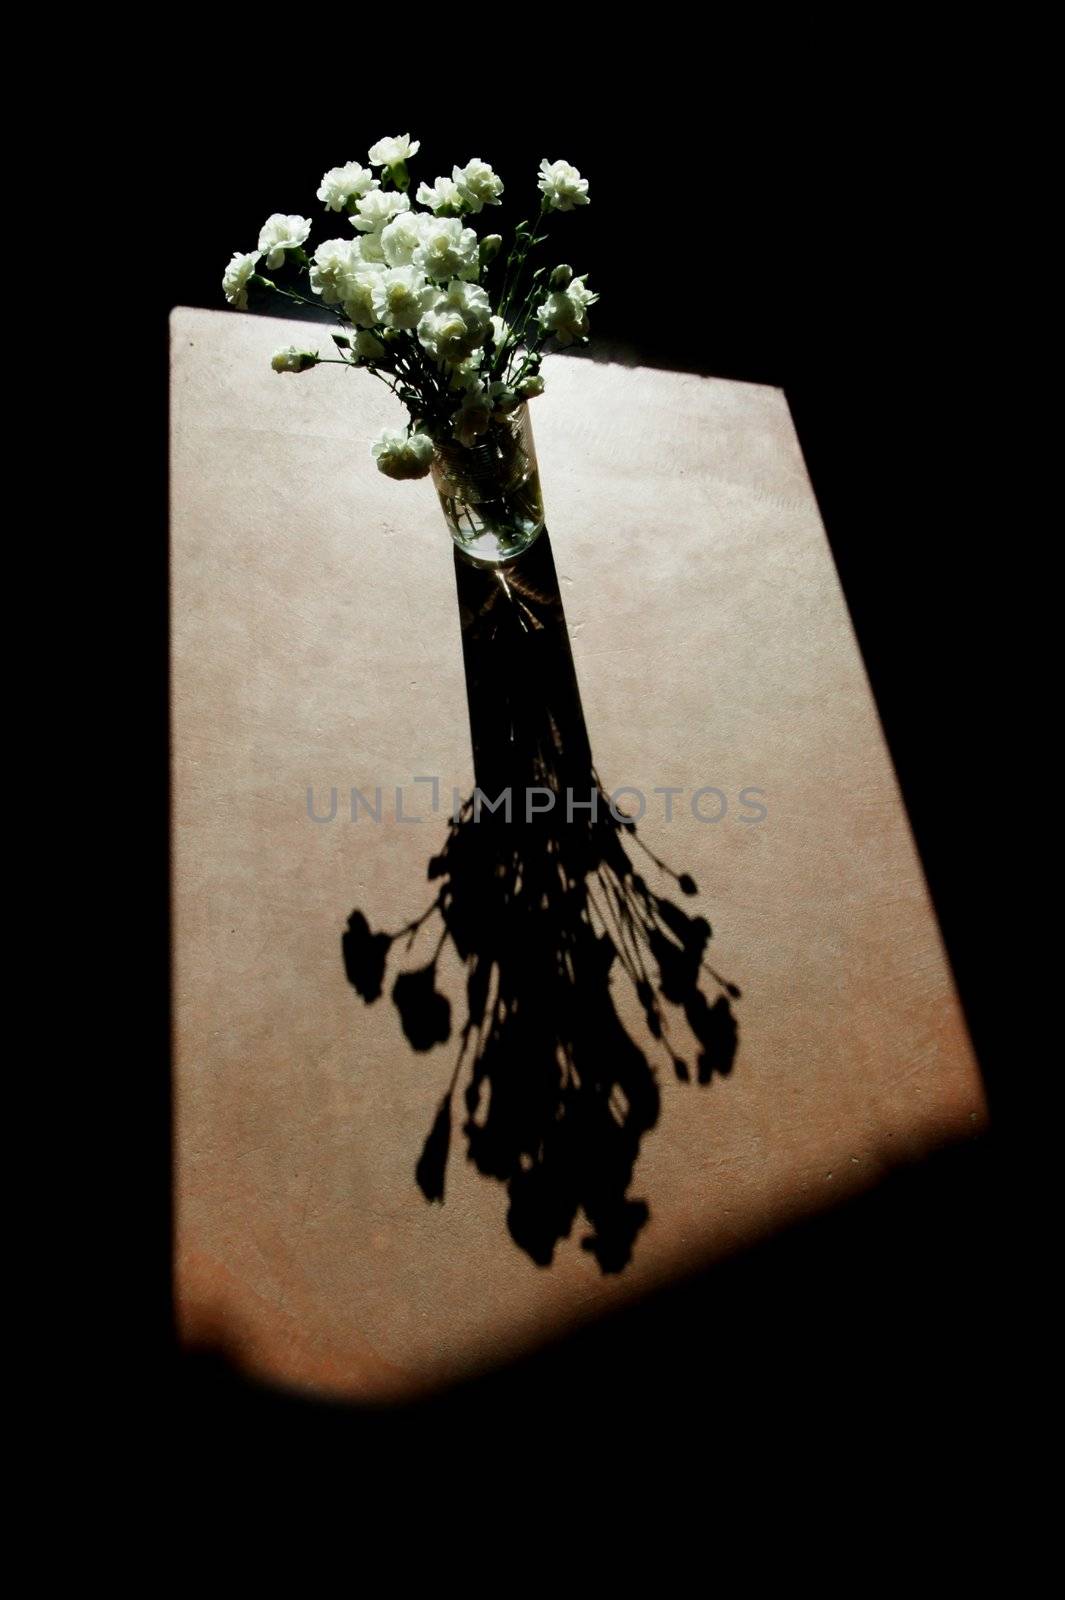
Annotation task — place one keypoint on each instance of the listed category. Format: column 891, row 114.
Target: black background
column 822, row 231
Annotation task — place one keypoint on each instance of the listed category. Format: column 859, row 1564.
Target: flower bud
column 531, row 386
column 490, row 247
column 503, row 398
column 293, row 360
column 562, row 277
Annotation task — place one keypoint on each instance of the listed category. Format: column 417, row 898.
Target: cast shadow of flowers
column 547, row 915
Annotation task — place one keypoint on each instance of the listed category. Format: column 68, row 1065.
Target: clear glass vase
column 490, row 490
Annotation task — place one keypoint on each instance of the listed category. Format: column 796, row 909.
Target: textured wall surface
column 316, row 643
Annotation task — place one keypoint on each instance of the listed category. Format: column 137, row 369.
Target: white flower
column 280, row 233
column 503, row 398
column 444, row 193
column 448, row 250
column 562, row 186
column 455, row 322
column 400, row 295
column 369, row 248
column 464, row 374
column 500, row 330
column 473, row 415
column 294, row 360
column 366, row 345
column 564, row 313
column 390, row 152
column 338, row 264
column 235, row 278
column 378, row 208
column 477, row 184
column 398, row 456
column 359, row 294
column 334, row 263
column 530, row 387
column 402, row 236
column 341, row 184
column 445, row 334
column 580, row 294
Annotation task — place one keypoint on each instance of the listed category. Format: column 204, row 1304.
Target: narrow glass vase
column 490, row 490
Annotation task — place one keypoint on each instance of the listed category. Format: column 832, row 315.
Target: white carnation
column 359, row 294
column 473, row 415
column 477, row 184
column 463, row 374
column 564, row 313
column 377, row 208
column 280, row 233
column 580, row 294
column 503, row 398
column 398, row 456
column 443, row 194
column 334, row 263
column 445, row 334
column 500, row 330
column 235, row 278
column 448, row 250
column 390, row 152
column 349, row 182
column 369, row 248
column 562, row 186
column 455, row 322
column 292, row 359
column 400, row 296
column 402, row 237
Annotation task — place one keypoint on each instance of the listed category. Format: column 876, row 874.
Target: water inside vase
column 490, row 492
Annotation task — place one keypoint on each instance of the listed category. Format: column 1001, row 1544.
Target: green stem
column 301, row 299
column 519, row 336
column 508, row 293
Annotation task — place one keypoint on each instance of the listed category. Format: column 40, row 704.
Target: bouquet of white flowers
column 454, row 328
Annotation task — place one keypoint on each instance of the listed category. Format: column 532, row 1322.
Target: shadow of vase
column 538, row 893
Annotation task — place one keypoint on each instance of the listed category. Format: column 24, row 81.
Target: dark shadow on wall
column 542, row 900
